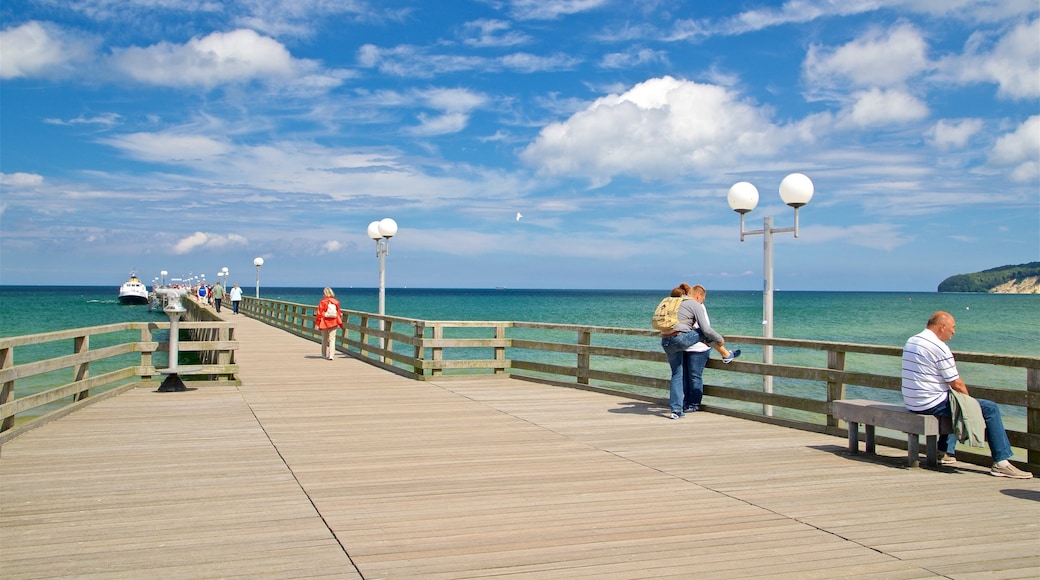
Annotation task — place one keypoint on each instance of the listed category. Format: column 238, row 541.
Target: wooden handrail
column 126, row 362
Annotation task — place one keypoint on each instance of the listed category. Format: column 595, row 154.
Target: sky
column 574, row 144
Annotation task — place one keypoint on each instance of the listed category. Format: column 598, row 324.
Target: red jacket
column 320, row 322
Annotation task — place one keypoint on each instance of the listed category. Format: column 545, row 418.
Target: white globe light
column 163, row 273
column 796, row 190
column 373, row 231
column 387, row 227
column 743, row 197
column 258, row 262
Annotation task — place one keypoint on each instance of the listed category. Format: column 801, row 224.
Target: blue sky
column 190, row 135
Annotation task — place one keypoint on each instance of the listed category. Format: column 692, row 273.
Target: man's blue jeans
column 674, row 348
column 693, row 377
column 996, row 436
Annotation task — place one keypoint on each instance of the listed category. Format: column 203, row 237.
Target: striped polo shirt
column 928, row 368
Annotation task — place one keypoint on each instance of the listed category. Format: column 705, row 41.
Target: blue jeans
column 693, row 377
column 996, row 436
column 674, row 348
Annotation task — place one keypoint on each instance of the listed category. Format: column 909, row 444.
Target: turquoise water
column 993, row 323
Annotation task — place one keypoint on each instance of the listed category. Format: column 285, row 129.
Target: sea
column 989, row 323
column 986, row 323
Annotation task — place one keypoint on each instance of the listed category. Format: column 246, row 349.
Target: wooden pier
column 316, row 468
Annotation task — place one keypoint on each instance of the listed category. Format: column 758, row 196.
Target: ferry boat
column 133, row 291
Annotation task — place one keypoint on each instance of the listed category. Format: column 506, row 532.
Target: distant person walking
column 930, row 379
column 327, row 318
column 218, row 295
column 696, row 356
column 236, row 297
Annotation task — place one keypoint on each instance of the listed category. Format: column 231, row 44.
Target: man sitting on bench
column 929, row 372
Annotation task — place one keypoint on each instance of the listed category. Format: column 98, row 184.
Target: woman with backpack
column 327, row 318
column 680, row 332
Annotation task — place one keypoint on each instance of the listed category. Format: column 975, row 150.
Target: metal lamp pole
column 381, row 231
column 795, row 190
column 258, row 261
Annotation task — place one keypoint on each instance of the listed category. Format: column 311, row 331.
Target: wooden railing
column 630, row 362
column 123, row 351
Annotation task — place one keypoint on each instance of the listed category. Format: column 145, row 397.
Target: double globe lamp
column 796, row 190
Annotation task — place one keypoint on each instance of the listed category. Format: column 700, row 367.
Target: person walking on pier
column 218, row 295
column 929, row 375
column 327, row 318
column 236, row 297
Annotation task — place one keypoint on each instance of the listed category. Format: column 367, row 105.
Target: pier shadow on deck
column 335, row 468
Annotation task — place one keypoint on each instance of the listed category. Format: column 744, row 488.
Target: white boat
column 133, row 291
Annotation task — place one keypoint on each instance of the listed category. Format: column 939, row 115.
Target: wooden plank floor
column 334, row 468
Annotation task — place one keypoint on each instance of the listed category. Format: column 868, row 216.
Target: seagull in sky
column 518, row 216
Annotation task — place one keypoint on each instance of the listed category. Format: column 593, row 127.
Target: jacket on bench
column 968, row 422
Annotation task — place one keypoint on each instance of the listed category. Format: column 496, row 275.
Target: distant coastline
column 1015, row 279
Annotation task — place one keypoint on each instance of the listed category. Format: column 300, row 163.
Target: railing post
column 1033, row 413
column 388, row 344
column 500, row 351
column 437, row 352
column 363, row 335
column 584, row 360
column 146, row 355
column 6, row 361
column 224, row 356
column 419, row 352
column 82, row 345
column 835, row 389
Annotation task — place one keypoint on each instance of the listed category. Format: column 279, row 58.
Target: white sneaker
column 1009, row 471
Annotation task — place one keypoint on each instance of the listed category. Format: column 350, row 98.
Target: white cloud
column 802, row 11
column 1020, row 150
column 414, row 61
column 439, row 124
column 632, row 57
column 551, row 9
column 659, row 128
column 218, row 58
column 20, row 179
column 452, row 100
column 954, row 133
column 106, row 119
column 530, row 63
column 168, row 147
column 201, row 240
column 331, row 246
column 492, row 33
column 881, row 58
column 877, row 236
column 1011, row 62
column 39, row 49
column 882, row 107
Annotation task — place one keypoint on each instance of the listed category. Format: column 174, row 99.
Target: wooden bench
column 889, row 416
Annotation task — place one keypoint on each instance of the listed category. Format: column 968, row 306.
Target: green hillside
column 986, row 280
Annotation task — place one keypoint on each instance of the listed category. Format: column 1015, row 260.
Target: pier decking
column 316, row 468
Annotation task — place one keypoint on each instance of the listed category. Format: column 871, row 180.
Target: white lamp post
column 258, row 261
column 795, row 190
column 224, row 273
column 163, row 274
column 381, row 231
